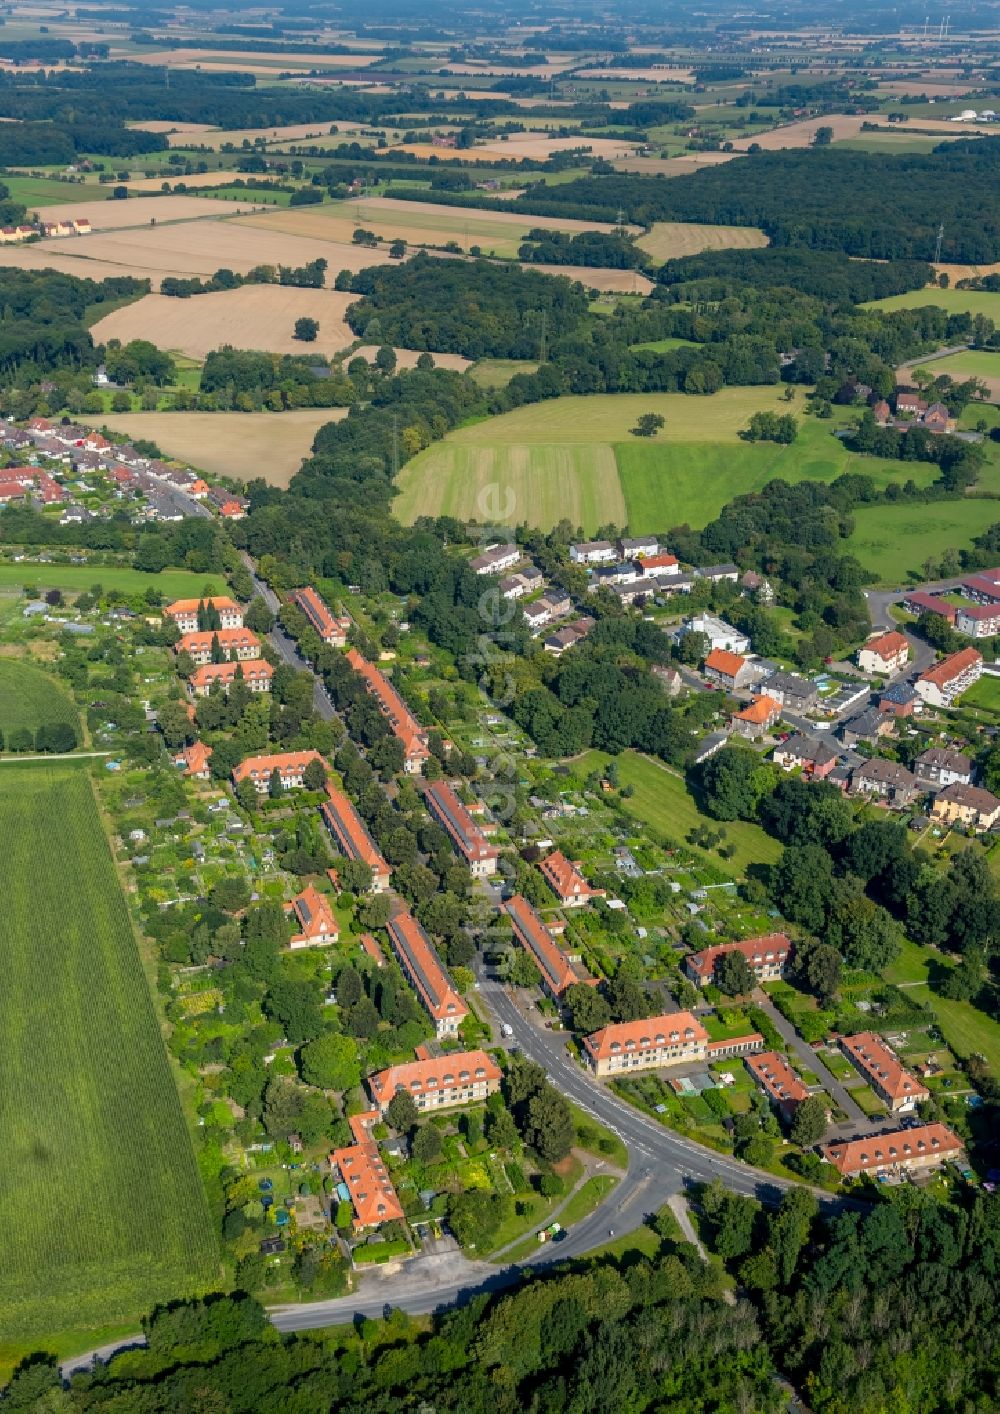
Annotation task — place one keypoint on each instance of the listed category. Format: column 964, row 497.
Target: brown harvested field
column 506, row 71
column 187, row 248
column 965, row 272
column 541, row 146
column 251, row 62
column 252, row 317
column 668, row 240
column 932, row 90
column 271, row 445
column 653, row 74
column 617, row 282
column 407, row 358
column 196, row 179
column 140, row 211
column 171, row 125
column 679, row 166
column 215, row 138
column 338, row 219
column 801, row 134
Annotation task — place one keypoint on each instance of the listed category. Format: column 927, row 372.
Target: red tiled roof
column 456, row 821
column 887, row 645
column 952, row 667
column 318, row 613
column 762, row 710
column 671, row 1028
column 899, row 1146
column 232, row 638
column 420, row 962
column 768, row 947
column 659, row 562
column 448, row 1072
column 291, row 763
column 190, row 606
column 400, row 718
column 564, row 877
column 196, row 758
column 373, row 1197
column 253, row 669
column 347, row 827
column 536, row 939
column 773, row 1073
column 873, row 1057
column 720, row 660
column 314, row 913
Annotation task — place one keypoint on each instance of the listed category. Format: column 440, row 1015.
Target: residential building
column 621, row 572
column 193, row 760
column 896, row 1151
column 734, row 1046
column 313, row 913
column 184, row 612
column 757, row 718
column 661, row 566
column 290, row 766
column 887, row 654
column 496, row 559
column 643, row 546
column 937, row 418
column 255, row 672
column 718, row 632
column 420, row 963
column 675, row 1038
column 941, row 685
column 228, row 504
column 568, row 636
column 919, row 601
column 366, row 1177
column 938, row 766
column 709, row 745
column 234, row 643
column 983, row 588
column 353, row 839
column 331, row 628
column 893, row 1085
column 867, row 726
column 718, row 572
column 593, row 552
column 789, row 690
column 813, row 757
column 461, row 1078
column 557, row 972
column 670, row 679
column 674, row 582
column 886, row 780
column 971, row 806
column 552, row 605
column 768, row 956
column 730, row 671
column 900, row 700
column 979, row 620
column 526, row 581
column 779, row 1082
column 402, row 721
column 645, row 587
column 910, row 403
column 565, row 880
column 470, row 842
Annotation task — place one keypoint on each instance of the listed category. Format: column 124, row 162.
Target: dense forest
column 825, row 274
column 43, row 326
column 42, row 144
column 892, row 1306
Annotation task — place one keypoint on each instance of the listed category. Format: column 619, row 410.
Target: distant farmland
column 104, row 1210
column 669, row 240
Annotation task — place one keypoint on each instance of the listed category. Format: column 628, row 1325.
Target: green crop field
column 893, row 542
column 30, row 698
column 954, row 301
column 104, row 1210
column 47, row 191
column 661, row 799
column 76, row 579
column 497, row 372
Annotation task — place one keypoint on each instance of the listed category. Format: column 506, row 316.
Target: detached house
column 593, row 552
column 812, row 756
column 566, row 882
column 761, row 715
column 184, row 612
column 366, row 1177
column 290, row 766
column 791, row 691
column 730, row 671
column 193, row 761
column 313, row 913
column 886, row 654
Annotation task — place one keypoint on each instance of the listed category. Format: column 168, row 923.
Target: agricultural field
column 105, row 1210
column 78, row 579
column 180, row 134
column 596, row 277
column 37, row 192
column 661, row 799
column 954, row 301
column 893, row 542
column 30, row 698
column 407, row 358
column 119, row 215
column 669, row 240
column 974, row 363
column 240, row 444
column 251, row 317
column 497, row 372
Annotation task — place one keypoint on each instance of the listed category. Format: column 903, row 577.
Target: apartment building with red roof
column 565, row 880
column 317, row 925
column 675, row 1038
column 366, row 1178
column 730, row 671
column 445, row 807
column 402, row 721
column 557, row 970
column 352, row 837
column 422, row 966
column 234, row 643
column 767, row 956
column 893, row 1085
column 778, row 1081
column 439, row 1082
column 886, row 654
column 193, row 760
column 331, row 629
column 184, row 612
column 759, row 717
column 290, row 766
column 255, row 672
column 941, row 685
column 897, row 1151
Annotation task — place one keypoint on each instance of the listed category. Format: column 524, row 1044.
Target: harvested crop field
column 170, row 126
column 137, row 211
column 615, row 282
column 195, row 181
column 407, row 358
column 240, row 444
column 974, row 363
column 539, row 485
column 250, row 61
column 252, row 317
column 188, row 248
column 215, row 138
column 668, row 240
column 541, row 146
column 678, row 166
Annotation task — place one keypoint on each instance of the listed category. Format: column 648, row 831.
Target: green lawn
column 75, row 579
column 984, row 694
column 30, row 698
column 894, row 541
column 497, row 372
column 45, row 191
column 662, row 799
column 104, row 1211
column 665, row 345
column 954, row 301
column 966, row 1029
